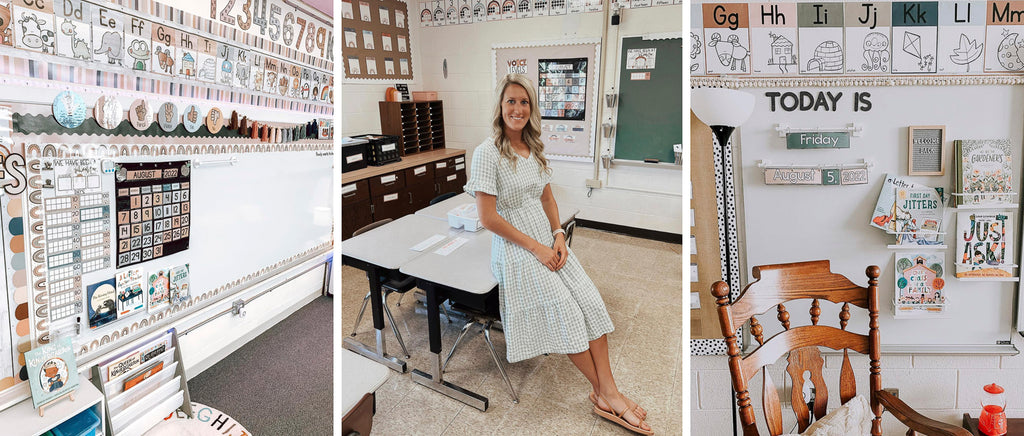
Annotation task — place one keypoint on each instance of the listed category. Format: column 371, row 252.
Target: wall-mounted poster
column 153, row 210
column 102, row 303
column 868, row 38
column 367, row 42
column 562, row 88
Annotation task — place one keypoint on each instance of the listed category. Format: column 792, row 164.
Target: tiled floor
column 641, row 281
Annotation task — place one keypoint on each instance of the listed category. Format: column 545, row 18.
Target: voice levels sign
column 804, row 140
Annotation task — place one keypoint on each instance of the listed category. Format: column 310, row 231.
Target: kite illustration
column 912, row 46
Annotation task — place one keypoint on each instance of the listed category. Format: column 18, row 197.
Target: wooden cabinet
column 394, row 190
column 419, row 124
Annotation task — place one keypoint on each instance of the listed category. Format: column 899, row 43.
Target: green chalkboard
column 650, row 112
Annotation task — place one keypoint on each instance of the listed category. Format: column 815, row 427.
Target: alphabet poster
column 857, row 38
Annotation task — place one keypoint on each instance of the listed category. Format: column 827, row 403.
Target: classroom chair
column 778, row 285
column 484, row 313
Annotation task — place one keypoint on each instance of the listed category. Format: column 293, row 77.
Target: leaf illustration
column 968, row 52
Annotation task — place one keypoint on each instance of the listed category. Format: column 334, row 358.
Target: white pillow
column 852, row 418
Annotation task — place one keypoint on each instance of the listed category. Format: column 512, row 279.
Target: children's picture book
column 919, row 216
column 137, row 378
column 159, row 289
column 130, row 296
column 919, row 283
column 984, row 167
column 52, row 371
column 886, row 213
column 984, row 244
column 102, row 303
column 180, row 289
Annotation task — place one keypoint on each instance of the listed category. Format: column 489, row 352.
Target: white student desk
column 381, row 252
column 359, row 377
column 440, row 210
column 464, row 274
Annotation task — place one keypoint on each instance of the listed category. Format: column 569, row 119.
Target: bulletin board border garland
column 825, row 82
column 594, row 135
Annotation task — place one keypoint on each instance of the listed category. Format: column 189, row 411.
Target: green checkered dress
column 542, row 311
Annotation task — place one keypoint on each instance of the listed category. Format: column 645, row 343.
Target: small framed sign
column 926, row 146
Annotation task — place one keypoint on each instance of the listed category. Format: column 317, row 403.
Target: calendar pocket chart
column 153, row 210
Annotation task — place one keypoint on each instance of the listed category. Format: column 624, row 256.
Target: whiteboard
column 251, row 213
column 796, row 223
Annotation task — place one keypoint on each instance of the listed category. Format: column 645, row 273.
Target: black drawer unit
column 353, row 154
column 381, row 149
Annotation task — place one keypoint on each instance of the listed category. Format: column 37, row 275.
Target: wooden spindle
column 783, row 316
column 815, row 311
column 844, row 316
column 757, row 330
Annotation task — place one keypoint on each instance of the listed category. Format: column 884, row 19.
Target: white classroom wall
column 641, row 197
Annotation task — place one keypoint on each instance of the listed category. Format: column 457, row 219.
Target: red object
column 992, row 421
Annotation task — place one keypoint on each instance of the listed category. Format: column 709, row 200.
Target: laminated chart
column 76, row 222
column 153, row 210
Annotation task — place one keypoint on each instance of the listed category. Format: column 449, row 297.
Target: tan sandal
column 618, row 418
column 642, row 415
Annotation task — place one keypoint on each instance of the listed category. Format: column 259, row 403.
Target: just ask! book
column 984, row 244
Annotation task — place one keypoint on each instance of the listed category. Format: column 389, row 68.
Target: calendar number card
column 153, row 210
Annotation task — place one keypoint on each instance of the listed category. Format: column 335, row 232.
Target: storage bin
column 83, row 424
column 424, row 95
column 353, row 154
column 381, row 149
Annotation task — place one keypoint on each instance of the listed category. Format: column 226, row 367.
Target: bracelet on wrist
column 562, row 231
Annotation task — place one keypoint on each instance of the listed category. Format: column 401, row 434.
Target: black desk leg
column 377, row 309
column 435, row 380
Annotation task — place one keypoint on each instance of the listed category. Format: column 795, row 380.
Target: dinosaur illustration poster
column 139, row 43
column 102, row 303
column 914, row 37
column 773, row 38
column 727, row 38
column 165, row 51
column 34, row 30
column 108, row 42
column 74, row 39
column 820, row 33
column 868, row 39
column 961, row 37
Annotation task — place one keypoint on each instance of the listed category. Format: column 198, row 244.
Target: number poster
column 153, row 210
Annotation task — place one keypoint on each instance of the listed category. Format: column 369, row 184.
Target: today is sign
column 805, row 140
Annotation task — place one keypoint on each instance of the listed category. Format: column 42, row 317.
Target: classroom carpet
column 641, row 283
column 280, row 383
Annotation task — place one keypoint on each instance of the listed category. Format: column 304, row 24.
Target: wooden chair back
column 776, row 286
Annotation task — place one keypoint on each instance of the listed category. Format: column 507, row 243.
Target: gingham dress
column 542, row 311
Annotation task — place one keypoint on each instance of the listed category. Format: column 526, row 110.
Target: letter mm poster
column 984, row 244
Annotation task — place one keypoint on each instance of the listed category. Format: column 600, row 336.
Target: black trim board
column 673, row 238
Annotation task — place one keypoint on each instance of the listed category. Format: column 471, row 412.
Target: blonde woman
column 548, row 304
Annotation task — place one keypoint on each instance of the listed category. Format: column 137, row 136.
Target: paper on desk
column 427, row 243
column 448, row 248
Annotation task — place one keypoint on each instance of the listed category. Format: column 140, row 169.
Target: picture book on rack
column 984, row 244
column 52, row 371
column 984, row 166
column 130, row 295
column 919, row 215
column 919, row 283
column 180, row 290
column 159, row 289
column 102, row 306
column 886, row 213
